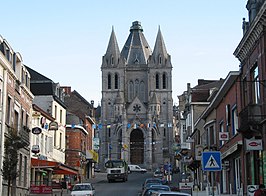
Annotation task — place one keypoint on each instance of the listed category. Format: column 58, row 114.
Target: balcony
column 24, row 134
column 251, row 115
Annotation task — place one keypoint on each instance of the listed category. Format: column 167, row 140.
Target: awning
column 92, row 155
column 231, row 150
column 58, row 168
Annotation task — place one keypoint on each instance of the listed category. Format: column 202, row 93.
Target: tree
column 12, row 144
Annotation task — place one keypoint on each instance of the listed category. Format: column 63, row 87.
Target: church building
column 137, row 104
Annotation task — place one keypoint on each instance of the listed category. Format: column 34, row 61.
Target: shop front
column 49, row 176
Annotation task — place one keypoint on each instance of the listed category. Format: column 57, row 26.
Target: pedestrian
column 260, row 191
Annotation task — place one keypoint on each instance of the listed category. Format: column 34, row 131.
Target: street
column 130, row 188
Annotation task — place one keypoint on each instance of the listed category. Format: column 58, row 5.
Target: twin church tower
column 137, row 104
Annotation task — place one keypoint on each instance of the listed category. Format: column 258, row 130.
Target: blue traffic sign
column 211, row 161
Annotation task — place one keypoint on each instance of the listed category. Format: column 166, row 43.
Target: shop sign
column 41, row 189
column 36, row 114
column 53, row 126
column 251, row 189
column 223, row 136
column 35, row 149
column 254, row 144
column 36, row 130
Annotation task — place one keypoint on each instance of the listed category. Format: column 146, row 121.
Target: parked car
column 150, row 181
column 154, row 187
column 82, row 189
column 136, row 168
column 168, row 193
column 158, row 173
column 97, row 169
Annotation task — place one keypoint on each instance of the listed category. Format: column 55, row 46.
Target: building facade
column 80, row 134
column 252, row 112
column 137, row 106
column 15, row 101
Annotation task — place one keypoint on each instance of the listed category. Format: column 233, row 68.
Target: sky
column 65, row 40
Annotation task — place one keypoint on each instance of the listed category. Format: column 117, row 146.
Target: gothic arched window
column 157, row 81
column 112, row 60
column 130, row 90
column 160, row 59
column 142, row 91
column 109, row 82
column 116, row 81
column 136, row 87
column 164, row 81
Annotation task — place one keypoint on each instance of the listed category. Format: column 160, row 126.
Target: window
column 255, row 85
column 8, row 110
column 221, row 129
column 20, row 170
column 160, row 60
column 27, row 120
column 109, row 81
column 16, row 122
column 245, row 91
column 116, row 81
column 27, row 81
column 136, row 88
column 234, row 121
column 46, row 144
column 112, row 60
column 130, row 90
column 227, row 113
column 61, row 116
column 54, row 138
column 164, row 81
column 60, row 141
column 157, row 81
column 22, row 76
column 22, row 119
column 25, row 170
column 212, row 135
column 142, row 91
column 55, row 111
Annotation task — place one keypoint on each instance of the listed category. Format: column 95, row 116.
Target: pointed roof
column 154, row 99
column 112, row 48
column 136, row 49
column 118, row 99
column 159, row 48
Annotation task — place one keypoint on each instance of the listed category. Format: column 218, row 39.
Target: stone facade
column 137, row 106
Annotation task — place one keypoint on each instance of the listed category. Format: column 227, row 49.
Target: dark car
column 150, row 181
column 155, row 187
column 158, row 173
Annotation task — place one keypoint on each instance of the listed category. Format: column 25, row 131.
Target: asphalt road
column 130, row 188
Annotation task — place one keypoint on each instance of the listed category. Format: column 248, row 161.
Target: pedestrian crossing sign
column 211, row 161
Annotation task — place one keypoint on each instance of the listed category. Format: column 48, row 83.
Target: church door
column 136, row 147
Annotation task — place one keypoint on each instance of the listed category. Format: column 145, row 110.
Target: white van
column 136, row 168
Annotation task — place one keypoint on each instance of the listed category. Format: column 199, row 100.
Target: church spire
column 136, row 49
column 112, row 54
column 159, row 52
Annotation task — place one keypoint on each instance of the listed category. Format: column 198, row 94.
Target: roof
column 205, row 89
column 35, row 76
column 136, row 49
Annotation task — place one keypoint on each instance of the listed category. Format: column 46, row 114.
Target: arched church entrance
column 136, row 147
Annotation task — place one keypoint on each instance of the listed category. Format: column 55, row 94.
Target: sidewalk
column 204, row 193
column 99, row 176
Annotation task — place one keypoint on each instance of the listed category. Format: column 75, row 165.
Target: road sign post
column 211, row 161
